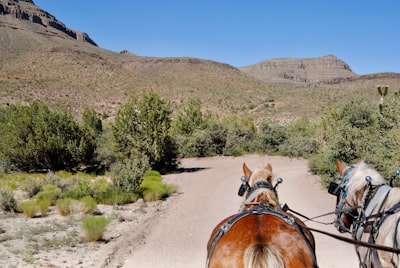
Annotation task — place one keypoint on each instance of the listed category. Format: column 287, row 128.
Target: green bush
column 300, row 139
column 43, row 206
column 128, row 174
column 116, row 196
column 154, row 189
column 63, row 206
column 241, row 135
column 270, row 137
column 81, row 187
column 30, row 208
column 94, row 228
column 198, row 134
column 356, row 129
column 7, row 200
column 142, row 128
column 36, row 138
column 89, row 204
column 99, row 187
column 32, row 186
column 50, row 193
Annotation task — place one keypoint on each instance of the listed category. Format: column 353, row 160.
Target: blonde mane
column 357, row 180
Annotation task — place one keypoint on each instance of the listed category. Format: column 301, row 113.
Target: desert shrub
column 80, row 188
column 36, row 138
column 30, row 208
column 170, row 189
column 241, row 134
column 76, row 207
column 347, row 132
column 142, row 127
column 153, row 187
column 198, row 134
column 270, row 136
column 50, row 193
column 60, row 179
column 104, row 153
column 99, row 187
column 116, row 196
column 128, row 174
column 89, row 204
column 32, row 186
column 91, row 129
column 199, row 144
column 63, row 206
column 300, row 139
column 94, row 228
column 7, row 200
column 43, row 206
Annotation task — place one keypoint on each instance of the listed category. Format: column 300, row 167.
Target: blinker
column 244, row 186
column 334, row 189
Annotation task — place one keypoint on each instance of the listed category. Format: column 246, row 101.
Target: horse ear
column 359, row 160
column 269, row 167
column 340, row 167
column 246, row 171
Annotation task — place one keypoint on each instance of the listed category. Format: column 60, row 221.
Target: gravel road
column 208, row 193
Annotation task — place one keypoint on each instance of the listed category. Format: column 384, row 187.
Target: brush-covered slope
column 40, row 62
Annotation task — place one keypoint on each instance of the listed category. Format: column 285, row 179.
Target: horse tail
column 263, row 256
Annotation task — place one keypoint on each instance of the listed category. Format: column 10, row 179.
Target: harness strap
column 364, row 224
column 259, row 210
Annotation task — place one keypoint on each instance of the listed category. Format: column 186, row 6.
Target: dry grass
column 50, row 67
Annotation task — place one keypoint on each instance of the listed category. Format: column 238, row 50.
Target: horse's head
column 259, row 186
column 351, row 192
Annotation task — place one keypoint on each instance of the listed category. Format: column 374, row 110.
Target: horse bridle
column 339, row 190
column 361, row 221
column 245, row 186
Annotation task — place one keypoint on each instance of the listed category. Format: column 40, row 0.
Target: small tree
column 142, row 127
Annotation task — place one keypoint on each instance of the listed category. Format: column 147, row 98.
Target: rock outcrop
column 291, row 70
column 27, row 10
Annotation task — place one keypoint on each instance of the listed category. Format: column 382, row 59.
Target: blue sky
column 363, row 33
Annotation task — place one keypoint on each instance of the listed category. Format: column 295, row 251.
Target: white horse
column 369, row 209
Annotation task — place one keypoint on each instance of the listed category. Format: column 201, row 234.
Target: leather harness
column 261, row 209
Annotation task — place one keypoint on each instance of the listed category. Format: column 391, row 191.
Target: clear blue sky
column 363, row 33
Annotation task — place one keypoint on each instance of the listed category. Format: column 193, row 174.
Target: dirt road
column 208, row 193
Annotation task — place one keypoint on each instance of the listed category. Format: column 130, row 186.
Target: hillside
column 290, row 70
column 41, row 59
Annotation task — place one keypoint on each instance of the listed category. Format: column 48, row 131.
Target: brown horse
column 369, row 209
column 261, row 235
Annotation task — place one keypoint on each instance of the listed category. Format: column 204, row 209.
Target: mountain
column 291, row 70
column 27, row 10
column 43, row 60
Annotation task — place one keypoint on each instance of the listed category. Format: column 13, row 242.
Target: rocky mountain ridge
column 27, row 10
column 294, row 70
column 40, row 62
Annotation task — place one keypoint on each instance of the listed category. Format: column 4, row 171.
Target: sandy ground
column 172, row 233
column 179, row 236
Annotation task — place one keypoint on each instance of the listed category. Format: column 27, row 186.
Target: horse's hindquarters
column 262, row 240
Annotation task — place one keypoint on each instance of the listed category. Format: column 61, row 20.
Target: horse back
column 263, row 238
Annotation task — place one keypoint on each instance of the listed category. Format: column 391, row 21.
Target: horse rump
column 263, row 256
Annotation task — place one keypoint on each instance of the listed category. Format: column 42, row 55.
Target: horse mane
column 360, row 171
column 358, row 182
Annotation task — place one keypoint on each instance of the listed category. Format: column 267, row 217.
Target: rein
column 356, row 242
column 339, row 237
